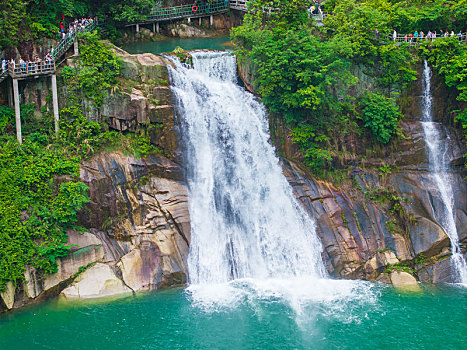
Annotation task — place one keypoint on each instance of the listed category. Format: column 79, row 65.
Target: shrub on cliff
column 35, row 211
column 381, row 115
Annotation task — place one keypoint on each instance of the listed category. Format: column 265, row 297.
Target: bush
column 381, row 115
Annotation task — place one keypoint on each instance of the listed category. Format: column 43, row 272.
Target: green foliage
column 381, row 115
column 34, row 210
column 81, row 137
column 395, row 66
column 97, row 70
column 356, row 24
column 400, row 266
column 309, row 142
column 7, row 117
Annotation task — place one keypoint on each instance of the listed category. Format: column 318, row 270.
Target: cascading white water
column 250, row 237
column 245, row 221
column 437, row 149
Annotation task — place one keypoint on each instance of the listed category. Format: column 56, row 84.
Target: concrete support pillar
column 189, row 20
column 55, row 102
column 154, row 27
column 211, row 20
column 10, row 97
column 157, row 27
column 137, row 28
column 199, row 21
column 17, row 111
column 75, row 47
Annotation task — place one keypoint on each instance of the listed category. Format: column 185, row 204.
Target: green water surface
column 169, row 319
column 157, row 47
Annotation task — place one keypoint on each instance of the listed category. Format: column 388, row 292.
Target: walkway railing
column 319, row 17
column 238, row 5
column 64, row 44
column 184, row 11
column 32, row 69
column 45, row 67
column 418, row 40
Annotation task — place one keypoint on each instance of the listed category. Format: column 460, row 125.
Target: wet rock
column 404, row 281
column 96, row 282
column 32, row 282
column 183, row 30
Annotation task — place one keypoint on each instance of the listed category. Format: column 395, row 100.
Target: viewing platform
column 41, row 68
column 191, row 11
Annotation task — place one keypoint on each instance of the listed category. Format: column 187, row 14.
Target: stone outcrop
column 404, row 281
column 97, row 281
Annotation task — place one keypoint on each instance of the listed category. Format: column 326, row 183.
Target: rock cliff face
column 137, row 220
column 139, row 233
column 358, row 231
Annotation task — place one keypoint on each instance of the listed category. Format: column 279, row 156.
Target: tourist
column 459, row 35
column 376, row 33
column 452, row 33
column 4, row 65
column 422, row 35
column 405, row 37
column 62, row 27
column 415, row 36
column 411, row 37
column 23, row 66
column 394, row 35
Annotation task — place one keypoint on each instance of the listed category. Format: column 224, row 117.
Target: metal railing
column 64, row 44
column 48, row 66
column 183, row 11
column 26, row 69
column 319, row 17
column 238, row 5
column 415, row 41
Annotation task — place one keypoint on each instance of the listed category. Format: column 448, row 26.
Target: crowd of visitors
column 46, row 64
column 419, row 36
column 78, row 25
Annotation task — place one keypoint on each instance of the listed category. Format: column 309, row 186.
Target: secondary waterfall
column 439, row 168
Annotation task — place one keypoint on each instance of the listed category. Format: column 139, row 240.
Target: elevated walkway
column 43, row 68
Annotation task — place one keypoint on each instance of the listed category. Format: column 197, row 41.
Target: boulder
column 404, row 281
column 8, row 295
column 428, row 238
column 96, row 282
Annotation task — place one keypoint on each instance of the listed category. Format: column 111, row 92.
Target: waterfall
column 245, row 220
column 439, row 169
column 250, row 238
